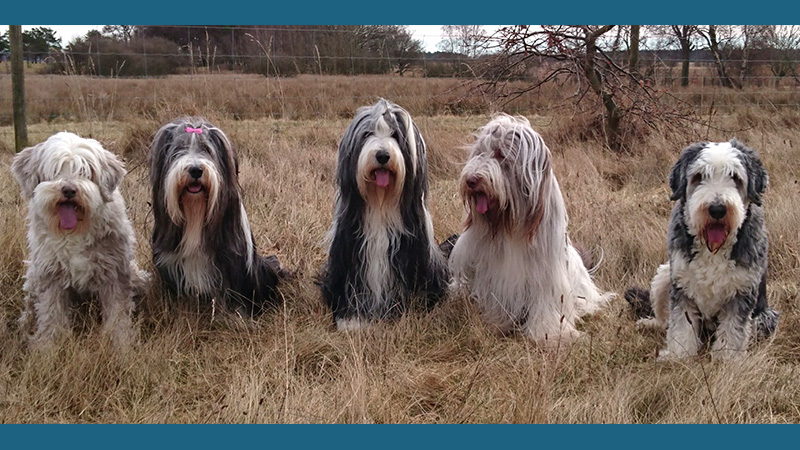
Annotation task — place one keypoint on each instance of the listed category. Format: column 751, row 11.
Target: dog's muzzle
column 68, row 209
column 382, row 176
column 195, row 185
column 716, row 231
column 482, row 202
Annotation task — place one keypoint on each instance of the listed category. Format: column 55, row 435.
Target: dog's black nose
column 472, row 181
column 195, row 172
column 382, row 156
column 717, row 211
column 68, row 191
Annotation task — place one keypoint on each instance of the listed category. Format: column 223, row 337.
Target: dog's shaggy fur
column 382, row 251
column 80, row 241
column 713, row 289
column 515, row 258
column 202, row 244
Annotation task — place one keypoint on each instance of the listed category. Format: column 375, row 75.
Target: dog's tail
column 765, row 323
column 639, row 299
column 765, row 318
column 447, row 245
column 588, row 257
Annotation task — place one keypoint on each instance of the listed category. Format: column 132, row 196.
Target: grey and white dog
column 713, row 289
column 80, row 241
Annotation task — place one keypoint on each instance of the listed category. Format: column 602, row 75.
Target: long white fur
column 507, row 272
column 383, row 224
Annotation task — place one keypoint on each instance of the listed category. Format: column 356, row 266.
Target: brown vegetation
column 291, row 366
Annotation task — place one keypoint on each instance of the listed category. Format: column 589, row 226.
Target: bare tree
column 395, row 43
column 684, row 34
column 467, row 40
column 783, row 43
column 584, row 54
column 710, row 35
column 122, row 33
column 633, row 51
column 755, row 42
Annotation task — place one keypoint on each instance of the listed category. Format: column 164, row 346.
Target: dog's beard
column 66, row 215
column 381, row 185
column 486, row 200
column 193, row 206
column 70, row 213
column 486, row 206
column 714, row 233
column 183, row 191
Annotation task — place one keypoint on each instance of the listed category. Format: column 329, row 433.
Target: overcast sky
column 430, row 35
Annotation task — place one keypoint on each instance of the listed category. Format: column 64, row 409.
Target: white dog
column 80, row 241
column 515, row 258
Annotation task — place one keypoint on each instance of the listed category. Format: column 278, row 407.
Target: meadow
column 290, row 365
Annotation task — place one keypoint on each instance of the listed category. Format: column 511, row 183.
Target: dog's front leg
column 117, row 307
column 683, row 333
column 734, row 328
column 52, row 314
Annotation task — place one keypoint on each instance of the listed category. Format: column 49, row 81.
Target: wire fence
column 304, row 72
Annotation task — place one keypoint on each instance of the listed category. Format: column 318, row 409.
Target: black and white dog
column 382, row 252
column 713, row 290
column 202, row 243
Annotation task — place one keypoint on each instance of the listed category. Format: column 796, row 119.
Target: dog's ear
column 677, row 178
column 25, row 169
column 161, row 141
column 410, row 133
column 757, row 178
column 535, row 178
column 220, row 140
column 110, row 175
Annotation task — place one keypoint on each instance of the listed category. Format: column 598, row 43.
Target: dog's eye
column 737, row 180
column 498, row 155
column 697, row 178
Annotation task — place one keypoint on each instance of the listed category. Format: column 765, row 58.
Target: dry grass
column 61, row 98
column 291, row 366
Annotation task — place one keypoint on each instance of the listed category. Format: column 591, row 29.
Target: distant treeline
column 288, row 50
column 138, row 50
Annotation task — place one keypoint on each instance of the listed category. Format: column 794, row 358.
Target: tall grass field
column 290, row 365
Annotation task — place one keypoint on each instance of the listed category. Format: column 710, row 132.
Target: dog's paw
column 649, row 323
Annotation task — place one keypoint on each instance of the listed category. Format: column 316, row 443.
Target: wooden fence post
column 18, row 87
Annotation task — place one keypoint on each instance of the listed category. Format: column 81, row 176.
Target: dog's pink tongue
column 67, row 216
column 481, row 204
column 716, row 234
column 382, row 178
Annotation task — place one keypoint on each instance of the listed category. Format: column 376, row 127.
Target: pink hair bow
column 194, row 130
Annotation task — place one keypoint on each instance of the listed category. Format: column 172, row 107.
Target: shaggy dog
column 202, row 244
column 80, row 241
column 515, row 258
column 382, row 251
column 713, row 290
